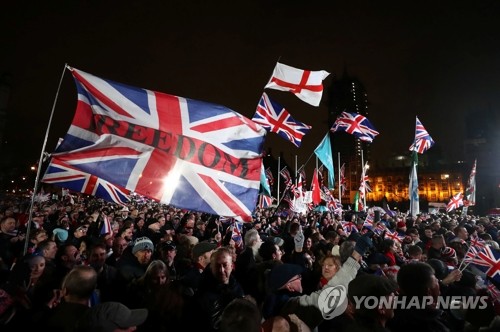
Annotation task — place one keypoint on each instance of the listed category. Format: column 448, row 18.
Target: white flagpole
column 278, row 179
column 39, row 168
column 363, row 179
column 339, row 179
column 296, row 171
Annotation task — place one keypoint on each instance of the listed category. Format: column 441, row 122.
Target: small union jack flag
column 106, row 226
column 423, row 141
column 236, row 234
column 369, row 220
column 342, row 180
column 493, row 291
column 265, row 201
column 285, row 173
column 349, row 227
column 276, row 119
column 355, row 124
column 455, row 202
column 270, row 177
column 488, row 261
column 62, row 174
column 477, row 242
column 393, row 236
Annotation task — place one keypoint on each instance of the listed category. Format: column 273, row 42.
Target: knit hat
column 400, row 224
column 60, row 234
column 142, row 243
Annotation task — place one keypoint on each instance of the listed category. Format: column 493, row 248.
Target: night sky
column 436, row 60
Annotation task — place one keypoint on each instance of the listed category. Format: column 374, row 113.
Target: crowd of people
column 82, row 264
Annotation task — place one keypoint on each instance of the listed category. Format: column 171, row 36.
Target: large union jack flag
column 423, row 141
column 63, row 175
column 355, row 124
column 182, row 152
column 276, row 119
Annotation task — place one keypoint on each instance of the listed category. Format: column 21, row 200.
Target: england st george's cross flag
column 182, row 152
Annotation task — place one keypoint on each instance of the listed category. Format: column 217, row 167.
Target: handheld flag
column 276, row 119
column 455, row 202
column 324, row 154
column 413, row 187
column 316, row 192
column 305, row 84
column 265, row 201
column 62, row 174
column 423, row 141
column 470, row 192
column 355, row 124
column 264, row 183
column 285, row 173
column 342, row 180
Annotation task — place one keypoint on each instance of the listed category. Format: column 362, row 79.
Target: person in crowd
column 438, row 243
column 415, row 253
column 369, row 318
column 72, row 302
column 107, row 288
column 285, row 283
column 388, row 247
column 126, row 232
column 118, row 247
column 246, row 263
column 35, row 237
column 415, row 238
column 241, row 315
column 418, row 280
column 48, row 249
column 167, row 252
column 202, row 253
column 11, row 242
column 218, row 288
column 135, row 260
column 111, row 317
column 78, row 235
column 201, row 230
column 140, row 228
column 67, row 257
column 142, row 292
column 330, row 265
column 376, row 264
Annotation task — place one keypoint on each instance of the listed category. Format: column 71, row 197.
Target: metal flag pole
column 39, row 168
column 340, row 180
column 296, row 171
column 278, row 178
column 363, row 180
